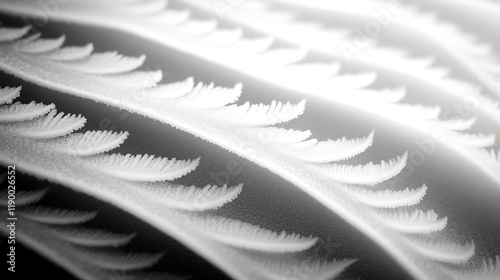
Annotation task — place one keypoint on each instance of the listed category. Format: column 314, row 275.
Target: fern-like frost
column 146, row 168
column 24, row 112
column 47, row 215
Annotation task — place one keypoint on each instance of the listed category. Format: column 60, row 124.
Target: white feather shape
column 443, row 251
column 18, row 112
column 417, row 112
column 260, row 114
column 8, row 34
column 49, row 126
column 8, row 94
column 389, row 198
column 210, row 96
column 53, row 216
column 278, row 135
column 243, row 235
column 416, row 222
column 89, row 143
column 23, row 197
column 70, row 53
column 193, row 198
column 121, row 260
column 476, row 140
column 93, row 237
column 330, row 150
column 136, row 79
column 456, row 124
column 145, row 168
column 40, row 46
column 489, row 270
column 172, row 90
column 368, row 174
column 107, row 63
column 304, row 270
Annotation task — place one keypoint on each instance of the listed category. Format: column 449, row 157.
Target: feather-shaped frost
column 136, row 79
column 418, row 221
column 40, row 46
column 107, row 63
column 50, row 126
column 260, row 114
column 23, row 197
column 194, row 198
column 304, row 270
column 389, row 198
column 251, row 237
column 8, row 94
column 476, row 140
column 8, row 34
column 70, row 53
column 93, row 237
column 90, row 142
column 328, row 151
column 24, row 112
column 278, row 135
column 121, row 260
column 53, row 216
column 368, row 174
column 172, row 90
column 210, row 96
column 146, row 168
column 443, row 251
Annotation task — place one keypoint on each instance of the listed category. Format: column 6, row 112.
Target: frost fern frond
column 39, row 46
column 244, row 235
column 260, row 114
column 389, row 198
column 278, row 135
column 93, row 237
column 8, row 34
column 50, row 126
column 23, row 197
column 172, row 90
column 416, row 222
column 8, row 94
column 70, row 53
column 136, row 79
column 53, row 216
column 106, row 63
column 444, row 251
column 368, row 174
column 24, row 112
column 146, row 168
column 89, row 143
column 193, row 198
column 121, row 260
column 331, row 150
column 210, row 96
